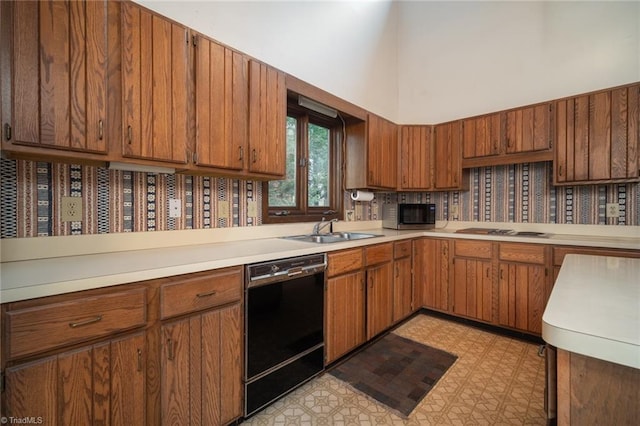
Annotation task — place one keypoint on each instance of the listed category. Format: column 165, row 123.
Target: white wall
column 458, row 59
column 347, row 48
column 431, row 61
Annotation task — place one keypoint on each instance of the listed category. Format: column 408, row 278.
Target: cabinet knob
column 93, row 320
column 170, row 350
column 241, row 152
column 129, row 134
column 139, row 359
column 7, row 131
column 255, row 155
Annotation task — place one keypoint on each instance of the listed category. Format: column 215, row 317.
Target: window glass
column 282, row 193
column 318, row 166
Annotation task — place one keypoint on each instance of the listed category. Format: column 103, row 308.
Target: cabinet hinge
column 194, row 40
column 7, row 131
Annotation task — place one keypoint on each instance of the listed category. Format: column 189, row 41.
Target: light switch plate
column 252, row 209
column 349, row 215
column 613, row 210
column 175, row 207
column 453, row 211
column 71, row 209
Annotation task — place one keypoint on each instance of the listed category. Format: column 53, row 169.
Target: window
column 312, row 187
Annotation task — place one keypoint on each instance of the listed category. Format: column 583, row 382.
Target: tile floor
column 496, row 380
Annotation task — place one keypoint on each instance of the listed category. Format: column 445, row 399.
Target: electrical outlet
column 223, row 209
column 71, row 209
column 349, row 215
column 613, row 210
column 175, row 207
column 453, row 211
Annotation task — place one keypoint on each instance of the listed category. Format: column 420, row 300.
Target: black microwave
column 408, row 216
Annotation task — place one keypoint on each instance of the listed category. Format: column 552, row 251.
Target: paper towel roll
column 362, row 195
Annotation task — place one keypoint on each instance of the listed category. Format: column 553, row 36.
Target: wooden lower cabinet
column 103, row 383
column 201, row 368
column 522, row 296
column 345, row 314
column 596, row 392
column 473, row 284
column 402, row 288
column 431, row 278
column 379, row 298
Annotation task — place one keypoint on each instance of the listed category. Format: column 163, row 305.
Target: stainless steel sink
column 335, row 237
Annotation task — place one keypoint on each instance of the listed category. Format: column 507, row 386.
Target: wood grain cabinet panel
column 482, row 136
column 221, row 105
column 431, row 278
column 372, row 154
column 529, row 129
column 201, row 368
column 402, row 280
column 267, row 120
column 447, row 154
column 522, row 296
column 48, row 326
column 55, row 83
column 344, row 315
column 473, row 289
column 155, row 86
column 200, row 291
column 598, row 137
column 416, row 158
column 103, row 383
column 379, row 298
column 344, row 261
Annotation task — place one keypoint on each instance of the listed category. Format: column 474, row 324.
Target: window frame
column 302, row 212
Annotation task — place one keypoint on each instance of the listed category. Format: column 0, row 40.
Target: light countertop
column 36, row 267
column 594, row 309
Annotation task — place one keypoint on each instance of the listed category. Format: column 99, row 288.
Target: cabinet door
column 522, row 296
column 345, row 314
column 433, row 274
column 598, row 137
column 222, row 105
column 473, row 288
column 267, row 120
column 415, row 158
column 201, row 368
column 529, row 129
column 447, row 156
column 59, row 74
column 382, row 152
column 482, row 136
column 99, row 384
column 402, row 289
column 155, row 92
column 379, row 298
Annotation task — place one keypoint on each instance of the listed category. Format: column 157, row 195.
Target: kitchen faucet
column 323, row 224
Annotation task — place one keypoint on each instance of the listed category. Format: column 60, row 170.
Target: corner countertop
column 594, row 309
column 37, row 267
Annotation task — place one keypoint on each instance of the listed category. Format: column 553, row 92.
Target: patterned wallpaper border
column 121, row 201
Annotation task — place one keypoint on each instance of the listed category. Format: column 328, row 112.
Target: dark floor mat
column 395, row 371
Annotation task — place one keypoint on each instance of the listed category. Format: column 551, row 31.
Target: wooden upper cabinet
column 482, row 136
column 267, row 120
column 382, row 152
column 447, row 156
column 221, row 105
column 54, row 66
column 529, row 129
column 514, row 136
column 155, row 91
column 598, row 137
column 372, row 154
column 416, row 159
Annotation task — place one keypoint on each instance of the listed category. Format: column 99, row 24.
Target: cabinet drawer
column 200, row 291
column 378, row 253
column 41, row 328
column 402, row 249
column 526, row 253
column 475, row 249
column 344, row 261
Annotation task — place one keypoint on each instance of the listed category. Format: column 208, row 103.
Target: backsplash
column 120, row 201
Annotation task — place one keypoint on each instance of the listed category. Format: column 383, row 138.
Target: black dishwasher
column 284, row 327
